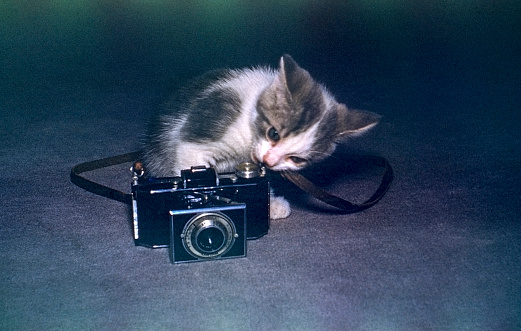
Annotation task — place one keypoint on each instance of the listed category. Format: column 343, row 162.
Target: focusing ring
column 209, row 235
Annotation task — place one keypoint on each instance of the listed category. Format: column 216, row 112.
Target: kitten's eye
column 273, row 134
column 297, row 160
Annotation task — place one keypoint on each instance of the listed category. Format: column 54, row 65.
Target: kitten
column 282, row 118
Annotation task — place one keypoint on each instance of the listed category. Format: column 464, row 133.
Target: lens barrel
column 209, row 235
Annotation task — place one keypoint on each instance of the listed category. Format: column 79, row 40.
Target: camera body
column 201, row 215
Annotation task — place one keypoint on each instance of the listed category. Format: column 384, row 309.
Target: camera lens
column 210, row 240
column 209, row 235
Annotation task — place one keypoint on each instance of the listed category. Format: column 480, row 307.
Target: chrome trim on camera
column 134, row 219
column 247, row 170
column 165, row 190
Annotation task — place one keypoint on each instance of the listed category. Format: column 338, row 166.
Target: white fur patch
column 279, row 208
column 248, row 84
column 174, row 133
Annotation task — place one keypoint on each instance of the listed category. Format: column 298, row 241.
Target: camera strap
column 299, row 180
column 97, row 188
column 344, row 205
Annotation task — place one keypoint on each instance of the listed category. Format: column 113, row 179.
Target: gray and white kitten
column 282, row 118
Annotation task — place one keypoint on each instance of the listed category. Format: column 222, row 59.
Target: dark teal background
column 46, row 43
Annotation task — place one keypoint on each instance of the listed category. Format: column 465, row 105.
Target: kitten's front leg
column 279, row 207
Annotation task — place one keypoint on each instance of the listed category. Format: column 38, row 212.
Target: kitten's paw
column 279, row 208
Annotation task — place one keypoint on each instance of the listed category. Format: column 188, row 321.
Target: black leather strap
column 296, row 178
column 100, row 189
column 344, row 205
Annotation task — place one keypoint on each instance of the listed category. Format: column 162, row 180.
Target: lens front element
column 210, row 240
column 208, row 235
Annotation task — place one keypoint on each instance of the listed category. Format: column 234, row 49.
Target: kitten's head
column 299, row 122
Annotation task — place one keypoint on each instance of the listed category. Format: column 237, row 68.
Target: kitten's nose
column 266, row 161
column 271, row 159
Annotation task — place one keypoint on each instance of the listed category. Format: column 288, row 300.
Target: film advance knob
column 247, row 170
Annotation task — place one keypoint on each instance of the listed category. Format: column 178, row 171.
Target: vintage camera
column 201, row 215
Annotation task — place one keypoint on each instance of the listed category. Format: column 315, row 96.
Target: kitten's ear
column 294, row 77
column 353, row 122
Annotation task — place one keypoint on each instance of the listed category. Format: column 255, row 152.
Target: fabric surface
column 441, row 251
